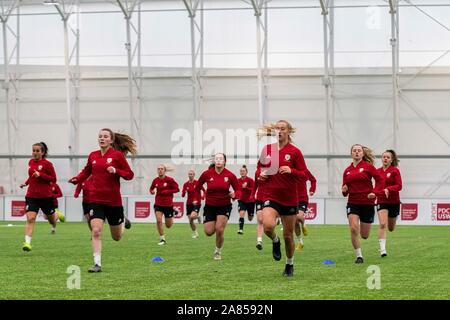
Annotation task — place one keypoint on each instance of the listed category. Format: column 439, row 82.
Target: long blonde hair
column 368, row 155
column 168, row 167
column 269, row 129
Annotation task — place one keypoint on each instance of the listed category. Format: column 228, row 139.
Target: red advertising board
column 141, row 209
column 18, row 208
column 178, row 208
column 409, row 211
column 311, row 212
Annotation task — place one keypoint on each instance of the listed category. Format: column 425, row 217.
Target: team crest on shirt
column 165, row 184
column 244, row 185
column 388, row 175
column 348, row 172
column 226, row 179
column 39, row 167
column 287, row 157
column 361, row 169
column 109, row 160
column 94, row 162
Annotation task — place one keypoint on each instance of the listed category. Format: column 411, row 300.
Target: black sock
column 241, row 223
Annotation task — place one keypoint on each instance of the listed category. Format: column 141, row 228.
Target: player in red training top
column 245, row 201
column 105, row 167
column 218, row 207
column 193, row 202
column 41, row 175
column 388, row 200
column 164, row 187
column 357, row 185
column 280, row 167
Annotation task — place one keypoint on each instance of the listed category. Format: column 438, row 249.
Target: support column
column 196, row 53
column 133, row 49
column 261, row 52
column 328, row 82
column 69, row 12
column 11, row 85
column 393, row 5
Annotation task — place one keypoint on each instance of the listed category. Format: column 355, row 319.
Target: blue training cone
column 328, row 262
column 157, row 259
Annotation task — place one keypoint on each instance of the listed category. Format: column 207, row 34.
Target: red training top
column 301, row 190
column 393, row 182
column 56, row 190
column 165, row 188
column 193, row 197
column 258, row 192
column 40, row 187
column 359, row 182
column 218, row 186
column 86, row 187
column 105, row 186
column 281, row 188
column 246, row 188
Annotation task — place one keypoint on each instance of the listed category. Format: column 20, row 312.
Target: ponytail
column 122, row 142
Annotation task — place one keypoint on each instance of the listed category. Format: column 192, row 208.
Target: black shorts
column 87, row 207
column 393, row 209
column 45, row 204
column 167, row 211
column 210, row 213
column 282, row 210
column 302, row 206
column 247, row 206
column 192, row 207
column 114, row 215
column 259, row 205
column 366, row 212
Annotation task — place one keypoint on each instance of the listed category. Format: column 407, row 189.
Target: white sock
column 276, row 239
column 163, row 237
column 98, row 259
column 53, row 228
column 259, row 239
column 218, row 250
column 382, row 244
column 358, row 252
column 299, row 238
column 28, row 239
column 290, row 261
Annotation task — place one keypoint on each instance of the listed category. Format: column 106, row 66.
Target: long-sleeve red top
column 218, row 186
column 165, row 188
column 245, row 189
column 302, row 188
column 41, row 186
column 278, row 187
column 393, row 182
column 105, row 186
column 192, row 196
column 86, row 188
column 359, row 182
column 56, row 190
